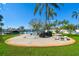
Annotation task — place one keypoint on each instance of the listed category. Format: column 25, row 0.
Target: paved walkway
column 28, row 40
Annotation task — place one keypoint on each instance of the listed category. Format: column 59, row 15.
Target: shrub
column 45, row 34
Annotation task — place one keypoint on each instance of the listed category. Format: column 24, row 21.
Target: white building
column 77, row 30
column 64, row 31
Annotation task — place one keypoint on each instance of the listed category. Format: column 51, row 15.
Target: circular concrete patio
column 31, row 41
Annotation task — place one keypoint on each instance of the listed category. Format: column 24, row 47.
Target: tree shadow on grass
column 1, row 39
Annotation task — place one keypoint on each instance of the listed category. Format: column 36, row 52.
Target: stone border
column 49, row 45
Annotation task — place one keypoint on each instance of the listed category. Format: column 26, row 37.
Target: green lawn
column 71, row 50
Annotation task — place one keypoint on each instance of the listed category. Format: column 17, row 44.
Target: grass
column 71, row 50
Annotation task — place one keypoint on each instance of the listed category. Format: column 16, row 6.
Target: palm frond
column 73, row 15
column 36, row 8
column 52, row 13
column 74, row 12
column 1, row 24
column 61, row 4
column 55, row 5
column 76, row 16
column 1, row 17
column 41, row 9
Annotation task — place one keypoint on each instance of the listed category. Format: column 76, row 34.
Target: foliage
column 49, row 11
column 55, row 23
column 21, row 29
column 45, row 34
column 75, row 14
column 65, row 22
column 1, row 24
column 36, row 24
column 71, row 27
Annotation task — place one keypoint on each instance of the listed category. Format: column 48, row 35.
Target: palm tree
column 64, row 22
column 55, row 23
column 75, row 14
column 36, row 24
column 1, row 17
column 1, row 24
column 70, row 27
column 21, row 29
column 49, row 11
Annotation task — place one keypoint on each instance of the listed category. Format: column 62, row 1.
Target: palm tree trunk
column 46, row 18
column 0, row 29
column 78, row 23
column 1, row 38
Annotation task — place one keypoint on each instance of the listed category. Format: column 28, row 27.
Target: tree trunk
column 46, row 18
column 78, row 24
column 1, row 38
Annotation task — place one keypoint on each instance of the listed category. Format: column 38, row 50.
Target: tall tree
column 21, row 29
column 49, row 11
column 55, row 23
column 36, row 24
column 70, row 27
column 64, row 22
column 1, row 24
column 75, row 14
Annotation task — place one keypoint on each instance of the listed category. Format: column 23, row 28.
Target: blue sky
column 19, row 14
